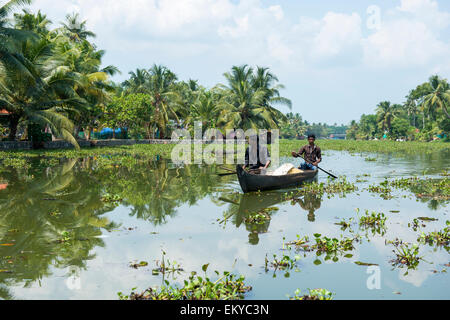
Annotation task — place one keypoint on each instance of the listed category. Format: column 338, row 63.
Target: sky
column 336, row 59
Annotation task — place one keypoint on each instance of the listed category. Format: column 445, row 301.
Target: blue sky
column 337, row 59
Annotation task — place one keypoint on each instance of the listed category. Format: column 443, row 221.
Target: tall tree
column 439, row 98
column 249, row 98
column 75, row 29
column 40, row 92
column 386, row 112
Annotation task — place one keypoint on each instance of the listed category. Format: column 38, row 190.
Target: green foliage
column 439, row 238
column 227, row 287
column 407, row 255
column 295, row 128
column 423, row 117
column 373, row 221
column 385, row 147
column 314, row 294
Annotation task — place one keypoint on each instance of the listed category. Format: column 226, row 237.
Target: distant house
column 337, row 136
column 3, row 112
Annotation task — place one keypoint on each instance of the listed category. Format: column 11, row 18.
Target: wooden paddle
column 299, row 155
column 226, row 174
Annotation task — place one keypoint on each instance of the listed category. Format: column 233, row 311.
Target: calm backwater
column 71, row 231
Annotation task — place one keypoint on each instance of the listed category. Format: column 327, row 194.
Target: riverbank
column 163, row 148
column 61, row 144
column 380, row 146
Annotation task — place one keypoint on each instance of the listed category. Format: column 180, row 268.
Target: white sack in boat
column 281, row 171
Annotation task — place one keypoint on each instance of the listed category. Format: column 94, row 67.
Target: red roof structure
column 3, row 112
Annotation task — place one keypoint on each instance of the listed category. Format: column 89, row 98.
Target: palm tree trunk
column 444, row 108
column 423, row 120
column 148, row 129
column 13, row 124
column 77, row 132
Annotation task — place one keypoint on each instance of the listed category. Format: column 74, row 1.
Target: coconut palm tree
column 10, row 39
column 92, row 84
column 439, row 98
column 76, row 29
column 205, row 109
column 411, row 108
column 165, row 98
column 385, row 114
column 247, row 103
column 28, row 21
column 138, row 82
column 40, row 91
column 263, row 79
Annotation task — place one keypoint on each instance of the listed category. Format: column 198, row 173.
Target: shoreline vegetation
column 18, row 157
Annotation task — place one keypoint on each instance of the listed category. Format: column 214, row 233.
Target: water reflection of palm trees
column 49, row 217
column 155, row 189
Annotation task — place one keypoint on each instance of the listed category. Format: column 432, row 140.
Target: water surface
column 72, row 230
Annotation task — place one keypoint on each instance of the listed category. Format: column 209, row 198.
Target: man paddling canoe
column 313, row 154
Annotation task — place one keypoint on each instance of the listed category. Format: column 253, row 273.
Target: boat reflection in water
column 255, row 210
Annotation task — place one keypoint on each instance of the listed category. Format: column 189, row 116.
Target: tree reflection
column 155, row 189
column 50, row 217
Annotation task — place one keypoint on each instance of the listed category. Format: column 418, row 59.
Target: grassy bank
column 354, row 146
column 286, row 146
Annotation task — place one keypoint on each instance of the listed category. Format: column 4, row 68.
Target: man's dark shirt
column 312, row 154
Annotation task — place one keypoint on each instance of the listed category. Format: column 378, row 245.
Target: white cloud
column 240, row 29
column 277, row 12
column 409, row 37
column 427, row 11
column 337, row 32
column 278, row 49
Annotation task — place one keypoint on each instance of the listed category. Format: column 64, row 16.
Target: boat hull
column 254, row 182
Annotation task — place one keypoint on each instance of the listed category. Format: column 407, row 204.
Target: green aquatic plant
column 260, row 217
column 383, row 189
column 137, row 265
column 167, row 267
column 300, row 242
column 439, row 238
column 227, row 287
column 376, row 221
column 286, row 262
column 429, row 188
column 345, row 224
column 313, row 294
column 340, row 186
column 332, row 245
column 406, row 254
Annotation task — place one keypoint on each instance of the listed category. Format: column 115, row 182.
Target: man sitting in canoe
column 312, row 154
column 257, row 156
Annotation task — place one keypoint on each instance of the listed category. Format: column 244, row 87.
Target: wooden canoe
column 255, row 182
